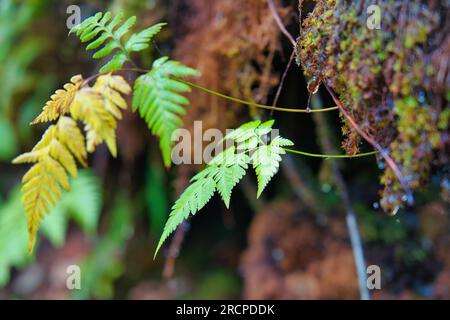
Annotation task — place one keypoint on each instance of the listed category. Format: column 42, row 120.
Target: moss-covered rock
column 394, row 81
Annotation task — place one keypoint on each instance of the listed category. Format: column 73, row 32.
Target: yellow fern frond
column 54, row 157
column 71, row 136
column 60, row 101
column 98, row 107
column 63, row 144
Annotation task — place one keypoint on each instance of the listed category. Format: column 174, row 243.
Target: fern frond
column 60, row 102
column 227, row 168
column 157, row 96
column 98, row 107
column 103, row 31
column 54, row 158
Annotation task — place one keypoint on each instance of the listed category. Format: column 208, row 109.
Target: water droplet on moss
column 326, row 187
column 395, row 211
column 422, row 97
column 277, row 254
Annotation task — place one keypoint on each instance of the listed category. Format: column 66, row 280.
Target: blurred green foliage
column 217, row 285
column 105, row 263
column 18, row 50
column 81, row 204
column 156, row 198
column 13, row 236
column 378, row 228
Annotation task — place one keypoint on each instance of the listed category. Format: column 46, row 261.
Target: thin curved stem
column 256, row 105
column 224, row 96
column 330, row 156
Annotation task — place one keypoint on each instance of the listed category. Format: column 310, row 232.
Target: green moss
column 386, row 80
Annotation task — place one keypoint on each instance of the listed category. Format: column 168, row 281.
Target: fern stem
column 330, row 156
column 224, row 96
column 256, row 105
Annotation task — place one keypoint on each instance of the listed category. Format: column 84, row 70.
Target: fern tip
column 158, row 247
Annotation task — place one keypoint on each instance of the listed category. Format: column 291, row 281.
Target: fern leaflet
column 266, row 161
column 231, row 168
column 158, row 99
column 139, row 41
column 60, row 101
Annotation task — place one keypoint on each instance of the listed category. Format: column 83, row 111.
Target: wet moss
column 394, row 80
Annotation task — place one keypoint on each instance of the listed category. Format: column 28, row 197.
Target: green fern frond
column 158, row 99
column 13, row 235
column 227, row 168
column 107, row 33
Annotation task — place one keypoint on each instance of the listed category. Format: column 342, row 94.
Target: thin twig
column 174, row 249
column 280, row 24
column 177, row 240
column 300, row 4
column 358, row 253
column 301, row 189
column 355, row 238
column 390, row 162
column 280, row 86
